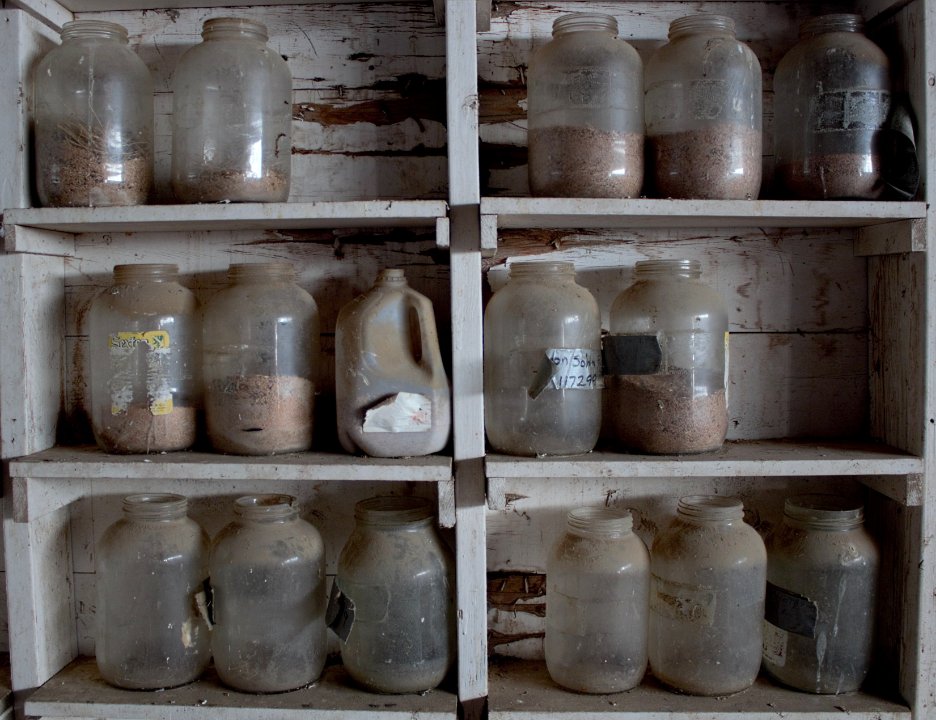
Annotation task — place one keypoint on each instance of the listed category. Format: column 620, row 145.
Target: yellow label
column 155, row 339
column 161, row 406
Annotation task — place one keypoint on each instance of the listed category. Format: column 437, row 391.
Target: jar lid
column 392, row 275
column 577, row 22
column 155, row 506
column 393, row 510
column 710, row 507
column 694, row 23
column 824, row 512
column 270, row 506
column 603, row 521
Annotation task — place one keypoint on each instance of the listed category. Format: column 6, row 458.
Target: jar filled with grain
column 261, row 361
column 822, row 572
column 597, row 595
column 151, row 566
column 231, row 117
column 93, row 120
column 268, row 594
column 542, row 363
column 834, row 89
column 585, row 111
column 666, row 359
column 703, row 111
column 708, row 579
column 144, row 334
column 393, row 600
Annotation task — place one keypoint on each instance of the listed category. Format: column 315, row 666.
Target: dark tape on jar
column 632, row 354
column 339, row 615
column 791, row 612
column 204, row 602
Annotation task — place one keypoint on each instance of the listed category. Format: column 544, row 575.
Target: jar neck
column 584, row 22
column 835, row 22
column 225, row 28
column 668, row 268
column 153, row 272
column 823, row 512
column 162, row 506
column 547, row 269
column 393, row 511
column 391, row 277
column 710, row 509
column 81, row 29
column 701, row 23
column 267, row 508
column 600, row 522
column 261, row 272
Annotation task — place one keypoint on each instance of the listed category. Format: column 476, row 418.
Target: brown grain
column 233, row 186
column 137, row 430
column 830, row 176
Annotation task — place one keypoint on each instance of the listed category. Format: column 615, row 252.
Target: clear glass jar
column 708, row 577
column 391, row 390
column 666, row 360
column 542, row 363
column 144, row 335
column 703, row 113
column 585, row 113
column 260, row 339
column 393, row 599
column 822, row 571
column 834, row 86
column 268, row 594
column 93, row 120
column 150, row 566
column 597, row 596
column 232, row 117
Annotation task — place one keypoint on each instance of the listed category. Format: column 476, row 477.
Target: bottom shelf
column 523, row 690
column 78, row 691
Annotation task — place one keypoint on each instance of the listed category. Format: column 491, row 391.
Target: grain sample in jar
column 585, row 111
column 703, row 111
column 665, row 361
column 708, row 578
column 93, row 120
column 597, row 594
column 261, row 362
column 833, row 87
column 822, row 573
column 150, row 566
column 391, row 390
column 144, row 334
column 231, row 117
column 393, row 600
column 268, row 594
column 542, row 363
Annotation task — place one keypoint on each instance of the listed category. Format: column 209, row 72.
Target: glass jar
column 709, row 572
column 822, row 569
column 542, row 363
column 93, row 120
column 393, row 603
column 834, row 87
column 261, row 362
column 585, row 114
column 232, row 116
column 666, row 360
column 151, row 564
column 703, row 112
column 597, row 595
column 268, row 594
column 144, row 336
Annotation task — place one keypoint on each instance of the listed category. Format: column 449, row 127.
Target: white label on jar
column 708, row 99
column 402, row 412
column 775, row 644
column 123, row 346
column 679, row 601
column 586, row 87
column 700, row 99
column 838, row 110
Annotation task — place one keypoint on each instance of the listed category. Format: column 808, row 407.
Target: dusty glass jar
column 260, row 340
column 709, row 572
column 391, row 390
column 542, row 363
column 585, row 113
column 703, row 113
column 834, row 86
column 268, row 592
column 666, row 360
column 93, row 120
column 597, row 595
column 150, row 566
column 231, row 118
column 822, row 570
column 393, row 602
column 144, row 335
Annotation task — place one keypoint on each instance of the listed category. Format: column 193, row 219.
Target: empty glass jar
column 268, row 592
column 93, row 120
column 709, row 573
column 666, row 358
column 231, row 118
column 822, row 571
column 542, row 363
column 261, row 362
column 703, row 112
column 597, row 595
column 393, row 601
column 144, row 335
column 150, row 565
column 585, row 111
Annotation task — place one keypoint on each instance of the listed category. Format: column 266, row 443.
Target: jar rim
column 583, row 22
column 832, row 22
column 100, row 28
column 528, row 267
column 155, row 505
column 701, row 21
column 710, row 507
column 271, row 506
column 143, row 271
column 393, row 510
column 821, row 511
column 682, row 266
column 603, row 521
column 236, row 24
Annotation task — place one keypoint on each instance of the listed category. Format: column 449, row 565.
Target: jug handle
column 426, row 332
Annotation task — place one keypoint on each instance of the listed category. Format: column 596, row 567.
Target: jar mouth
column 575, row 22
column 710, row 507
column 245, row 26
column 603, row 521
column 146, row 271
column 824, row 512
column 691, row 23
column 270, row 506
column 265, row 271
column 155, row 505
column 683, row 267
column 833, row 22
column 93, row 28
column 393, row 510
column 536, row 267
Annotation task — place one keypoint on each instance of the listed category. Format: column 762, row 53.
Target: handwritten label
column 568, row 369
column 679, row 601
column 775, row 645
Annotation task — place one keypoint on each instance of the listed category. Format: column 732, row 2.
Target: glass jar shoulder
column 253, row 300
column 271, row 543
column 842, row 549
column 580, row 50
column 537, row 300
column 844, row 59
column 610, row 556
column 170, row 543
column 709, row 548
column 680, row 305
column 150, row 299
column 702, row 54
column 229, row 57
column 376, row 556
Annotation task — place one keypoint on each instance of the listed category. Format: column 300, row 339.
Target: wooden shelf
column 79, row 692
